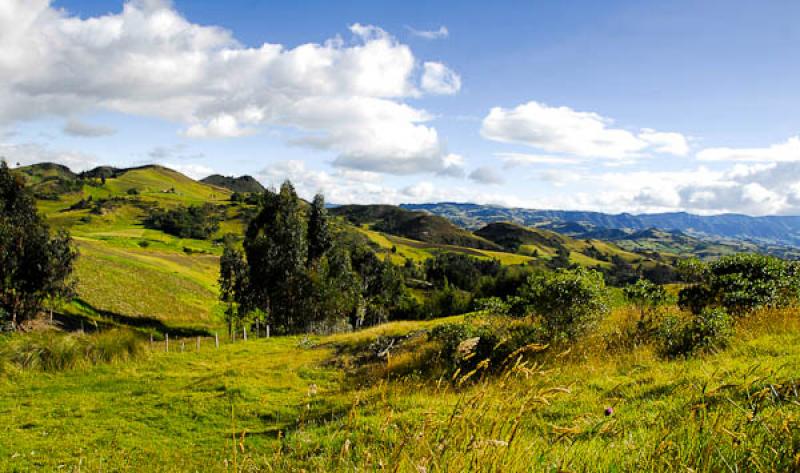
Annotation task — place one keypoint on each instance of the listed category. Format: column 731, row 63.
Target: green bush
column 466, row 345
column 705, row 332
column 740, row 284
column 199, row 221
column 570, row 302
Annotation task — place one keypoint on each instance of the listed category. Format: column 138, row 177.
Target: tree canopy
column 34, row 265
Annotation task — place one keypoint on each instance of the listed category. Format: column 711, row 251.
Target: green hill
column 241, row 184
column 414, row 225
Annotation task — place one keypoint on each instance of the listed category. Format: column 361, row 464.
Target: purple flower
column 608, row 411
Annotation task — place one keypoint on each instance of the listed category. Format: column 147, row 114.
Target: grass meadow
column 308, row 404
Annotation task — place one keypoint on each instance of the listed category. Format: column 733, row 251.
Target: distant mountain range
column 769, row 230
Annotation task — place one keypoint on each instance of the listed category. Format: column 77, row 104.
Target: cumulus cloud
column 442, row 32
column 523, row 159
column 343, row 96
column 179, row 151
column 344, row 186
column 439, row 79
column 195, row 171
column 580, row 134
column 781, row 152
column 31, row 153
column 486, row 175
column 75, row 127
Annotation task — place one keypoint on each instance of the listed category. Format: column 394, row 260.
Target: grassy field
column 285, row 404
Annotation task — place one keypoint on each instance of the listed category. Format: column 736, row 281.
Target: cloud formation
column 487, row 175
column 342, row 96
column 781, row 152
column 75, row 127
column 579, row 134
column 442, row 32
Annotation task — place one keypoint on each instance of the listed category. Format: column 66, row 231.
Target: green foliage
column 647, row 297
column 570, row 302
column 276, row 254
column 486, row 345
column 34, row 265
column 461, row 271
column 740, row 283
column 707, row 331
column 319, row 234
column 196, row 221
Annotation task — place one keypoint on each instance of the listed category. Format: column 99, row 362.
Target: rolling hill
column 419, row 226
column 734, row 232
column 241, row 184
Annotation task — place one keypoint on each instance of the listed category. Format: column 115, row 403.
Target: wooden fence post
column 267, row 330
column 198, row 343
column 182, row 345
column 166, row 341
column 245, row 333
column 216, row 339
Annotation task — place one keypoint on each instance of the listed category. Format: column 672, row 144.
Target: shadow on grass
column 103, row 319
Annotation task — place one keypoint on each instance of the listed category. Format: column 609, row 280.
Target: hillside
column 129, row 274
column 739, row 232
column 241, row 184
column 419, row 226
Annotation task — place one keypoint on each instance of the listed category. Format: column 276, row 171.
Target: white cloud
column 665, row 142
column 781, row 152
column 523, row 159
column 442, row 32
column 31, row 153
column 345, row 97
column 358, row 187
column 221, row 126
column 439, row 79
column 486, row 175
column 195, row 171
column 569, row 132
column 75, row 127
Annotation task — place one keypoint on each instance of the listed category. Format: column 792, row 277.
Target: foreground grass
column 281, row 405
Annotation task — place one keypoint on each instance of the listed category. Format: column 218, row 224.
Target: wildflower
column 608, row 411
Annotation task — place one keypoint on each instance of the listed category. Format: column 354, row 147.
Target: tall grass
column 53, row 351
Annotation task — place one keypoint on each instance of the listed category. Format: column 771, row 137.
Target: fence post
column 216, row 339
column 151, row 340
column 258, row 329
column 245, row 333
column 267, row 330
column 166, row 341
column 198, row 343
column 182, row 345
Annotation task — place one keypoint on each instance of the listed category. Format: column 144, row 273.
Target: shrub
column 647, row 297
column 199, row 222
column 570, row 302
column 708, row 331
column 740, row 284
column 466, row 346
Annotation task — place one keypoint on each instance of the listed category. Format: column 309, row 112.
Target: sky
column 616, row 106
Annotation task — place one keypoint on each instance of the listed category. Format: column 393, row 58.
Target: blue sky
column 611, row 106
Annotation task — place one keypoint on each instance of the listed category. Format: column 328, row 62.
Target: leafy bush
column 647, row 297
column 198, row 222
column 466, row 346
column 740, row 284
column 708, row 331
column 570, row 302
column 461, row 271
